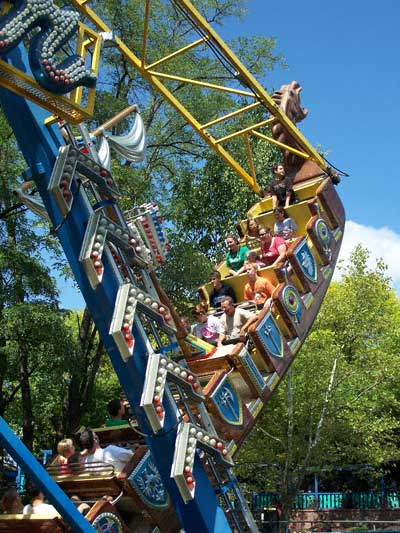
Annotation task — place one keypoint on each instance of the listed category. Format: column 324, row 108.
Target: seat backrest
column 122, row 435
column 238, row 282
column 18, row 523
column 89, row 481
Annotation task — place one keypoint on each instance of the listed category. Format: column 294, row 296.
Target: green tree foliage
column 340, row 402
column 27, row 292
column 48, row 367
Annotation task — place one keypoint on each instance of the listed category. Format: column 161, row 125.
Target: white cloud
column 383, row 243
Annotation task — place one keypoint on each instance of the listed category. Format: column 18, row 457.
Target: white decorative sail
column 104, row 153
column 131, row 146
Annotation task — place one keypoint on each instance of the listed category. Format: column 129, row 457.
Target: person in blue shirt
column 284, row 226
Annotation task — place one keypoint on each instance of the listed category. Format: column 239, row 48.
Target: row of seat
column 249, row 373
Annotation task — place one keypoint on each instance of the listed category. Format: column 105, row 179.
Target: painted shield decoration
column 146, row 481
column 107, row 523
column 307, row 262
column 269, row 334
column 228, row 404
column 292, row 302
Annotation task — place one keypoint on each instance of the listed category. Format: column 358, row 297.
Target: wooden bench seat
column 48, row 523
column 237, row 282
column 93, row 485
column 36, row 523
column 304, row 191
column 92, row 482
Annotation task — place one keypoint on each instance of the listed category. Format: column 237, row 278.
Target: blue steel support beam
column 35, row 471
column 39, row 146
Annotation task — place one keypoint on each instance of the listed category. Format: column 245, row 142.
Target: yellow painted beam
column 250, row 81
column 256, row 91
column 281, row 145
column 87, row 40
column 249, row 155
column 20, row 83
column 245, row 130
column 145, row 31
column 137, row 63
column 240, row 92
column 176, row 53
column 229, row 115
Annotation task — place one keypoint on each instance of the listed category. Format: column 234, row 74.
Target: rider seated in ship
column 117, row 413
column 284, row 226
column 114, row 455
column 65, row 449
column 234, row 322
column 273, row 249
column 219, row 290
column 257, row 290
column 236, row 255
column 281, row 188
column 207, row 327
column 251, row 238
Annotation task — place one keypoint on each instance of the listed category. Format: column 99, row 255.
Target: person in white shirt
column 38, row 505
column 234, row 322
column 114, row 455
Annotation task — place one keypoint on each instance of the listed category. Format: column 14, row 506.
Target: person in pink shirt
column 273, row 249
column 207, row 327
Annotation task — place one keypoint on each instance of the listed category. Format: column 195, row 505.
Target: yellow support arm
column 254, row 91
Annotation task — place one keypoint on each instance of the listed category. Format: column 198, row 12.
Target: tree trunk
column 27, row 412
column 23, row 352
column 83, row 377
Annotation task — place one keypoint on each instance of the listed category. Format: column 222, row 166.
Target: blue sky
column 345, row 54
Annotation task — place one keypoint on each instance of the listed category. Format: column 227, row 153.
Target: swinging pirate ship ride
column 194, row 403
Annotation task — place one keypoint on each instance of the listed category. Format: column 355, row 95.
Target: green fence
column 332, row 500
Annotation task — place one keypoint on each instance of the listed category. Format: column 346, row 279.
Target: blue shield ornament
column 228, row 404
column 146, row 481
column 307, row 262
column 269, row 334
